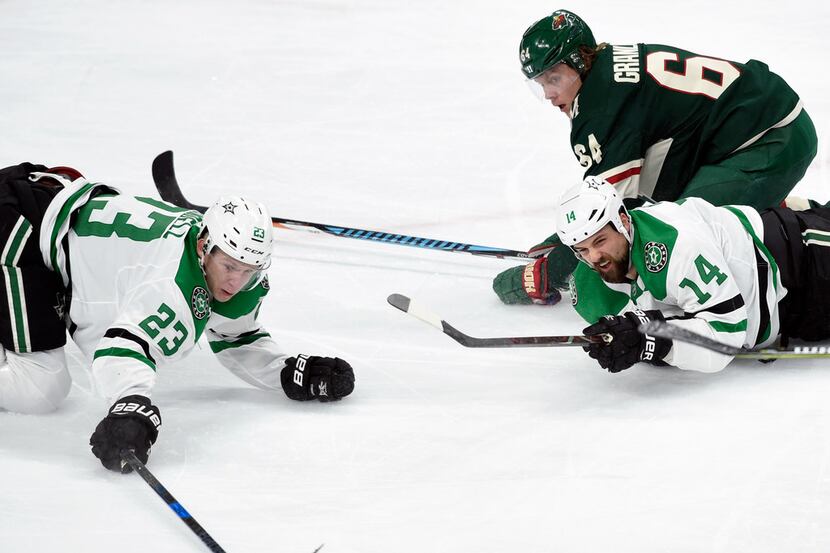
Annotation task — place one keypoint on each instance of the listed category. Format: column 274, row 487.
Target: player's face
column 607, row 253
column 225, row 275
column 560, row 84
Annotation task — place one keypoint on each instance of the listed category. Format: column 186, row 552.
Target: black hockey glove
column 132, row 423
column 627, row 346
column 309, row 377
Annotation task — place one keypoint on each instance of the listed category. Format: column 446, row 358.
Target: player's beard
column 616, row 271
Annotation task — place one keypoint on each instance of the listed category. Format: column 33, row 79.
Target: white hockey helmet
column 586, row 208
column 242, row 229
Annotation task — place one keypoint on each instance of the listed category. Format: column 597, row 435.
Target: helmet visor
column 228, row 276
column 555, row 83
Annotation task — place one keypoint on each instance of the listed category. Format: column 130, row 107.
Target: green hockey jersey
column 700, row 264
column 138, row 297
column 649, row 116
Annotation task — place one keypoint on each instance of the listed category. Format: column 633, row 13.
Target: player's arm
column 698, row 283
column 246, row 349
column 154, row 324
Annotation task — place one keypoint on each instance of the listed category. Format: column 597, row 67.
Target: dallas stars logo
column 230, row 207
column 200, row 303
column 656, row 256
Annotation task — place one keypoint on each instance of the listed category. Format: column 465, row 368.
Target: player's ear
column 626, row 221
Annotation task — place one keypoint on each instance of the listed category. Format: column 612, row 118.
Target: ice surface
column 409, row 117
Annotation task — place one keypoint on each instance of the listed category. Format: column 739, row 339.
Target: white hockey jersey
column 138, row 295
column 706, row 266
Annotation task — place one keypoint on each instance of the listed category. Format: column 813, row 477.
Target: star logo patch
column 230, row 207
column 656, row 256
column 200, row 303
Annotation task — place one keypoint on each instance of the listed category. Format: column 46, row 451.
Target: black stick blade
column 411, row 307
column 164, row 175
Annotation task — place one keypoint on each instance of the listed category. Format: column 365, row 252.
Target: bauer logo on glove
column 307, row 377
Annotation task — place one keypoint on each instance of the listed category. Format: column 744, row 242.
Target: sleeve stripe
column 614, row 179
column 720, row 326
column 221, row 345
column 127, row 335
column 124, row 352
column 723, row 307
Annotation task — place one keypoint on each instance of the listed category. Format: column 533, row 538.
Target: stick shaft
column 171, row 501
column 168, row 187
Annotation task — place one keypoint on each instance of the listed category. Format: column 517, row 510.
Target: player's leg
column 764, row 173
column 32, row 327
column 34, row 383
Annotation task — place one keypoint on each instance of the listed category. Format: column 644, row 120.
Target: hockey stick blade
column 164, row 176
column 663, row 329
column 407, row 305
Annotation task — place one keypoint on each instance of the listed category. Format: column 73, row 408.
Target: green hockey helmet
column 554, row 39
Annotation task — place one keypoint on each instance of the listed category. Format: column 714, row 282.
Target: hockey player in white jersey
column 731, row 273
column 137, row 282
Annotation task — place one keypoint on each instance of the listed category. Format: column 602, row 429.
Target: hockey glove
column 525, row 285
column 540, row 281
column 628, row 345
column 310, row 377
column 132, row 423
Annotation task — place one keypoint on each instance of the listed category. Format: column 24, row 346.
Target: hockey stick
column 129, row 457
column 663, row 329
column 418, row 311
column 164, row 176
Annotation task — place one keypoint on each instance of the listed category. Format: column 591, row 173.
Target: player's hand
column 310, row 377
column 132, row 423
column 627, row 345
column 525, row 285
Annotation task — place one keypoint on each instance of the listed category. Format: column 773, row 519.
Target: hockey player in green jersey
column 660, row 122
column 731, row 273
column 137, row 282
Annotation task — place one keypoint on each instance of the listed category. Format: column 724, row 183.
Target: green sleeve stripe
column 812, row 236
column 61, row 218
column 222, row 345
column 17, row 239
column 124, row 352
column 18, row 311
column 761, row 247
column 719, row 326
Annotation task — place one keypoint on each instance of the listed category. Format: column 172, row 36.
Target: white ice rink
column 414, row 118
